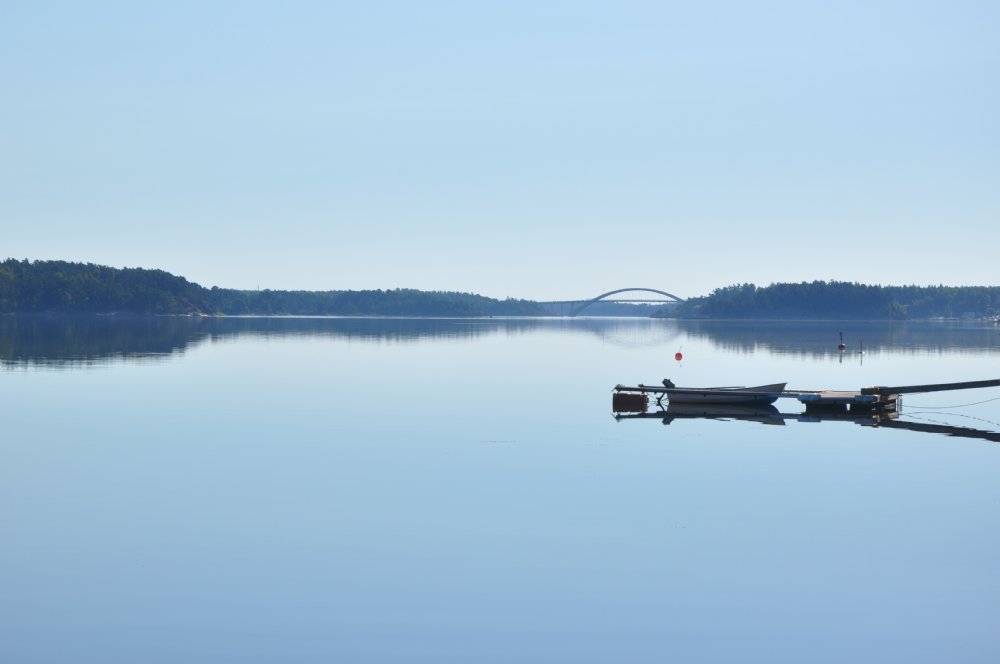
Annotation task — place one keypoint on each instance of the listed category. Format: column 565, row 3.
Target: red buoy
column 678, row 356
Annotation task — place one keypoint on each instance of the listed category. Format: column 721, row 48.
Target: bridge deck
column 577, row 306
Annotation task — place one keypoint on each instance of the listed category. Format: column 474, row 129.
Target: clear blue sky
column 525, row 149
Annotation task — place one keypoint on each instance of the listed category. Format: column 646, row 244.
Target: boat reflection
column 767, row 414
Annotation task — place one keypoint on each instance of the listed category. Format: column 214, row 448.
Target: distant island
column 64, row 287
column 839, row 300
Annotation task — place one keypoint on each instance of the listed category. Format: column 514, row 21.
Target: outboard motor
column 627, row 402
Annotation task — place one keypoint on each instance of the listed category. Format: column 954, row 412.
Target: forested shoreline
column 830, row 300
column 64, row 287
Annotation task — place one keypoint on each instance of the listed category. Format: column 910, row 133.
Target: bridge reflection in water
column 576, row 307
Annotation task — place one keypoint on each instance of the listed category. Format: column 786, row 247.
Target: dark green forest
column 64, row 287
column 59, row 286
column 831, row 300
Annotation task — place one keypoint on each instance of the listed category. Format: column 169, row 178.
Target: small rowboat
column 760, row 394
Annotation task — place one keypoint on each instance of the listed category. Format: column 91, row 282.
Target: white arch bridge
column 637, row 296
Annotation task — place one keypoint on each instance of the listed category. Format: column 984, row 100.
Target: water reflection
column 83, row 340
column 822, row 338
column 63, row 341
column 768, row 414
column 765, row 414
column 71, row 341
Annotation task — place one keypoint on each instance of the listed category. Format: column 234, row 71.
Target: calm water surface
column 344, row 490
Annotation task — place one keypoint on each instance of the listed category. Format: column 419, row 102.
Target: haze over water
column 387, row 490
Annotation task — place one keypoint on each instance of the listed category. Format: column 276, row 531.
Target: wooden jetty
column 841, row 399
column 881, row 398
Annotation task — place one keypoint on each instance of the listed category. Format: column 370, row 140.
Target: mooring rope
column 961, row 405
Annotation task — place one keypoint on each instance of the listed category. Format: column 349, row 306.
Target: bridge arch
column 583, row 305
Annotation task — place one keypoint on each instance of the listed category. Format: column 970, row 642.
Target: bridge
column 637, row 296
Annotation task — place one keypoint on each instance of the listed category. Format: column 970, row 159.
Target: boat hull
column 761, row 394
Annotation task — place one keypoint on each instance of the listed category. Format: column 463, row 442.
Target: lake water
column 347, row 490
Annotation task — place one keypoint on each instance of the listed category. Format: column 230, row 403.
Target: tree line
column 60, row 286
column 824, row 300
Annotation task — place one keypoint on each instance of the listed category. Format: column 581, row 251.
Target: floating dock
column 839, row 400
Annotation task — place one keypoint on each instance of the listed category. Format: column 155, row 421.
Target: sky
column 541, row 150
